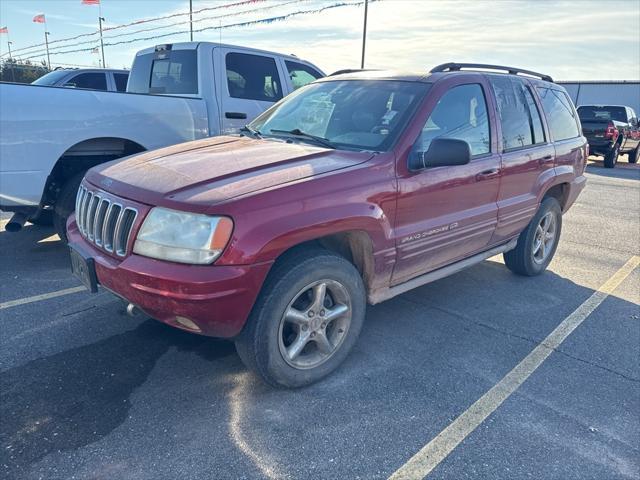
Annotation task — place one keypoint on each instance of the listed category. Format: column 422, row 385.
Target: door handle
column 236, row 115
column 487, row 174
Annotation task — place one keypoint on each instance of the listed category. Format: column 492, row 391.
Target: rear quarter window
column 168, row 72
column 561, row 116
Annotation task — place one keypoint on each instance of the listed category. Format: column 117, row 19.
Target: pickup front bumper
column 205, row 299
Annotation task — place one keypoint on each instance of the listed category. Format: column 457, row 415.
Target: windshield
column 351, row 114
column 588, row 113
column 51, row 78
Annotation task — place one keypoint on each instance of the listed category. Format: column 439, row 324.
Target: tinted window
column 253, row 77
column 590, row 113
column 560, row 114
column 121, row 81
column 92, row 81
column 301, row 74
column 354, row 114
column 140, row 74
column 174, row 72
column 461, row 113
column 51, row 78
column 519, row 116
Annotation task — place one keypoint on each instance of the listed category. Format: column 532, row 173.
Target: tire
column 528, row 260
column 65, row 205
column 611, row 158
column 43, row 218
column 270, row 339
column 634, row 155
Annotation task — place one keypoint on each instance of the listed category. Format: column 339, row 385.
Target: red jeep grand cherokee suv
column 353, row 189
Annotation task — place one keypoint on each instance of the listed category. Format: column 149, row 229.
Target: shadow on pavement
column 74, row 398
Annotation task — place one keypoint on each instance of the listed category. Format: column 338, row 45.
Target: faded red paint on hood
column 210, row 171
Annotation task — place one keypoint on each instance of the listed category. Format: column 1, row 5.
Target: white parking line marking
column 37, row 298
column 434, row 452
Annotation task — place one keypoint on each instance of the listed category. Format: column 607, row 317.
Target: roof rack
column 452, row 67
column 351, row 70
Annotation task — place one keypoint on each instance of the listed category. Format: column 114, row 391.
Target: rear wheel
column 634, row 155
column 306, row 320
column 538, row 242
column 611, row 158
column 65, row 205
column 43, row 218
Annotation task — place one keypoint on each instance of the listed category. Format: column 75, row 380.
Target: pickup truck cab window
column 174, row 72
column 351, row 114
column 461, row 113
column 589, row 112
column 301, row 74
column 560, row 114
column 519, row 116
column 92, row 81
column 253, row 77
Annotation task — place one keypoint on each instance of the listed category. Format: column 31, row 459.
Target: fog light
column 186, row 323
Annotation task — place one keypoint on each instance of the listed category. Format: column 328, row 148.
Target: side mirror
column 442, row 152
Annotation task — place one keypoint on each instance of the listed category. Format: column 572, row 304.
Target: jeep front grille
column 104, row 222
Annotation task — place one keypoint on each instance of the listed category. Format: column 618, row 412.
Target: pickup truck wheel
column 634, row 155
column 306, row 320
column 537, row 244
column 65, row 205
column 611, row 158
column 43, row 218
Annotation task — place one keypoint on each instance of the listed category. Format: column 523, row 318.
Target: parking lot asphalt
column 90, row 393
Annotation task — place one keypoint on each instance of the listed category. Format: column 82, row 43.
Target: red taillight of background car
column 611, row 131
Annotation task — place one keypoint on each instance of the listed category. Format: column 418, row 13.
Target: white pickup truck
column 49, row 137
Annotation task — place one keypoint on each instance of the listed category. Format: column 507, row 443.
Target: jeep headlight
column 182, row 237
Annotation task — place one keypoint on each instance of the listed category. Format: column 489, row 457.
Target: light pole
column 191, row 19
column 46, row 42
column 100, row 20
column 13, row 75
column 364, row 32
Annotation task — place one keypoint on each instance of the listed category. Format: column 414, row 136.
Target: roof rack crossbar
column 452, row 67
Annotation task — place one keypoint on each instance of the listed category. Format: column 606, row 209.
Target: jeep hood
column 213, row 170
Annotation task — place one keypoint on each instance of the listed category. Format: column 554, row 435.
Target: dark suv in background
column 611, row 130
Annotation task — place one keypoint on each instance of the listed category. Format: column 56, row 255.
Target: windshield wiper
column 252, row 131
column 299, row 133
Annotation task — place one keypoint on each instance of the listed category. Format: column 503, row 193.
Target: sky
column 569, row 40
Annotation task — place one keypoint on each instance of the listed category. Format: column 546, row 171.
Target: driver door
column 447, row 213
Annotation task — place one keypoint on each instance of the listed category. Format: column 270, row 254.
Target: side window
column 461, row 113
column 121, row 81
column 253, row 77
column 92, row 81
column 561, row 116
column 519, row 116
column 301, row 74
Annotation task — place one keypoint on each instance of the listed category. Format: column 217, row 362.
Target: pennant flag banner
column 90, row 2
column 4, row 30
column 39, row 18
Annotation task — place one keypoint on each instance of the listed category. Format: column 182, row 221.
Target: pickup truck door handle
column 238, row 115
column 546, row 158
column 485, row 175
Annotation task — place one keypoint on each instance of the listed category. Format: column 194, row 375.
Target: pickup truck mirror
column 442, row 152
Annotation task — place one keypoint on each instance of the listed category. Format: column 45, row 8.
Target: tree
column 21, row 71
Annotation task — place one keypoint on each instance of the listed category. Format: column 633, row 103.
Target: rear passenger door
column 527, row 154
column 251, row 83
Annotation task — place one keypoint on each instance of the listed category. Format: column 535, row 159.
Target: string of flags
column 248, row 23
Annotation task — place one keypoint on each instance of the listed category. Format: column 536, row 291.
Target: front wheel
column 306, row 320
column 538, row 242
column 634, row 155
column 611, row 158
